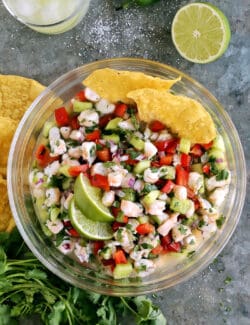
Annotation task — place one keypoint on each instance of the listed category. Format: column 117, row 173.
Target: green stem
column 127, row 305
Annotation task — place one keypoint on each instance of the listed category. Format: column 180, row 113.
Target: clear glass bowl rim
column 92, row 281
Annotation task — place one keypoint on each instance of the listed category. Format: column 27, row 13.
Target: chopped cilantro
column 182, row 229
column 190, row 254
column 222, row 175
column 220, row 221
column 148, row 188
column 90, row 129
column 154, row 169
column 146, row 246
column 57, row 181
column 201, row 223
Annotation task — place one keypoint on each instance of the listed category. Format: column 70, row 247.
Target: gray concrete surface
column 145, row 32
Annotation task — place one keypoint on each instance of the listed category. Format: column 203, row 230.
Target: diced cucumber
column 159, row 219
column 113, row 124
column 150, row 197
column 79, row 107
column 197, row 168
column 106, row 253
column 46, row 128
column 43, row 212
column 46, row 230
column 167, row 172
column 64, row 169
column 143, row 219
column 219, row 156
column 67, row 183
column 185, row 145
column 54, row 213
column 219, row 144
column 181, row 206
column 141, row 166
column 112, row 137
column 122, row 271
column 130, row 194
column 137, row 143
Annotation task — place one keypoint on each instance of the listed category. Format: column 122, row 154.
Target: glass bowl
column 19, row 165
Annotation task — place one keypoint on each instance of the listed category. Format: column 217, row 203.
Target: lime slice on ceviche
column 200, row 32
column 88, row 228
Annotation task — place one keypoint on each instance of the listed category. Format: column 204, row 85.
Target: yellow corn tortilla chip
column 115, row 84
column 6, row 221
column 16, row 95
column 183, row 115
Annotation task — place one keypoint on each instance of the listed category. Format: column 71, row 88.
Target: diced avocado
column 197, row 168
column 137, row 143
column 150, row 197
column 181, row 206
column 185, row 145
column 46, row 128
column 54, row 213
column 113, row 124
column 43, row 213
column 106, row 253
column 130, row 194
column 219, row 144
column 122, row 271
column 143, row 219
column 46, row 230
column 159, row 219
column 112, row 137
column 79, row 107
column 167, row 172
column 64, row 169
column 141, row 166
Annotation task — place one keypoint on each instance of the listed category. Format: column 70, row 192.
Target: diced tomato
column 157, row 250
column 120, row 257
column 103, row 121
column 73, row 232
column 171, row 148
column 97, row 245
column 43, row 156
column 174, row 247
column 185, row 160
column 109, row 262
column 62, row 116
column 115, row 211
column 100, row 181
column 160, row 183
column 197, row 204
column 162, row 145
column 67, row 224
column 166, row 240
column 208, row 145
column 190, row 193
column 93, row 136
column 168, row 146
column 155, row 164
column 116, row 225
column 81, row 96
column 156, row 126
column 74, row 171
column 120, row 109
column 166, row 160
column 74, row 123
column 168, row 187
column 103, row 154
column 131, row 162
column 206, row 169
column 181, row 176
column 145, row 228
column 196, row 150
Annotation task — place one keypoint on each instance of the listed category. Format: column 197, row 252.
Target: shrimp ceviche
column 118, row 193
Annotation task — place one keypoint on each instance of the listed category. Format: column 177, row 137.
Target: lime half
column 90, row 229
column 88, row 200
column 200, row 32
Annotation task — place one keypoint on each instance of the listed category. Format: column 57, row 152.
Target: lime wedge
column 90, row 229
column 200, row 32
column 88, row 200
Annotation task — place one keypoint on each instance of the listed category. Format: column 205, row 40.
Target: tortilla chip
column 7, row 130
column 115, row 84
column 183, row 115
column 6, row 220
column 16, row 95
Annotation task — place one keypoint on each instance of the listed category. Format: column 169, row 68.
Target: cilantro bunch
column 27, row 288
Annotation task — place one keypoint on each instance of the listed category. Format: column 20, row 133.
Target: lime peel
column 200, row 32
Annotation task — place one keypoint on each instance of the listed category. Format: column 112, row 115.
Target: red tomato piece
column 74, row 171
column 181, row 176
column 185, row 160
column 168, row 187
column 131, row 161
column 73, row 232
column 74, row 123
column 162, row 145
column 100, row 181
column 208, row 145
column 93, row 136
column 206, row 169
column 190, row 193
column 157, row 250
column 115, row 211
column 103, row 121
column 97, row 245
column 171, row 147
column 145, row 228
column 120, row 109
column 81, row 96
column 196, row 150
column 166, row 160
column 62, row 116
column 116, row 225
column 174, row 247
column 120, row 257
column 155, row 164
column 109, row 262
column 43, row 156
column 166, row 240
column 156, row 126
column 103, row 154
